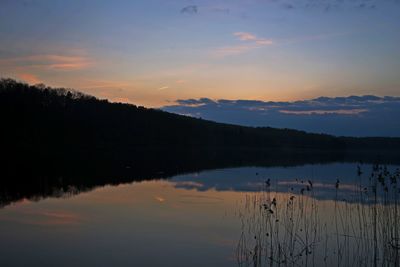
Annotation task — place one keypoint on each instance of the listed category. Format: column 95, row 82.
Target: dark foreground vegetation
column 358, row 227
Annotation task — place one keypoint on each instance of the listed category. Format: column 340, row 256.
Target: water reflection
column 144, row 224
column 286, row 179
column 41, row 177
column 203, row 218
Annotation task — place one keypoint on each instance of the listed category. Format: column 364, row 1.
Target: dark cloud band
column 351, row 116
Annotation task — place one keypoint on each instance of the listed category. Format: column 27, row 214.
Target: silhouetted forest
column 54, row 121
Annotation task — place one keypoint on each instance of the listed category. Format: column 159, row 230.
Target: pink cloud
column 49, row 62
column 29, row 78
column 245, row 36
column 163, row 88
column 252, row 42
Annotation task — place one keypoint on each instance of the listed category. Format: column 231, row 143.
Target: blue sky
column 153, row 52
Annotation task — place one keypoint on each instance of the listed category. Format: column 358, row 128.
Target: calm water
column 197, row 219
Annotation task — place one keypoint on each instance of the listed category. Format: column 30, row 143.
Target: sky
column 364, row 116
column 154, row 52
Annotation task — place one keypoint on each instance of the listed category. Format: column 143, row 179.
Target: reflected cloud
column 296, row 184
column 23, row 201
column 188, row 184
column 43, row 217
column 159, row 199
column 294, row 180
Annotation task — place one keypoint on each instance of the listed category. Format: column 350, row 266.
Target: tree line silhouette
column 59, row 120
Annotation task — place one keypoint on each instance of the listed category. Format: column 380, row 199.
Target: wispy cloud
column 29, row 78
column 245, row 36
column 189, row 10
column 250, row 42
column 163, row 88
column 49, row 62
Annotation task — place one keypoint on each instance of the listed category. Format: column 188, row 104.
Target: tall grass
column 358, row 227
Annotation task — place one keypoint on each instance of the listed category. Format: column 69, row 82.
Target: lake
column 315, row 215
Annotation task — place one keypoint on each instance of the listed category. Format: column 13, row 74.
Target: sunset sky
column 154, row 52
